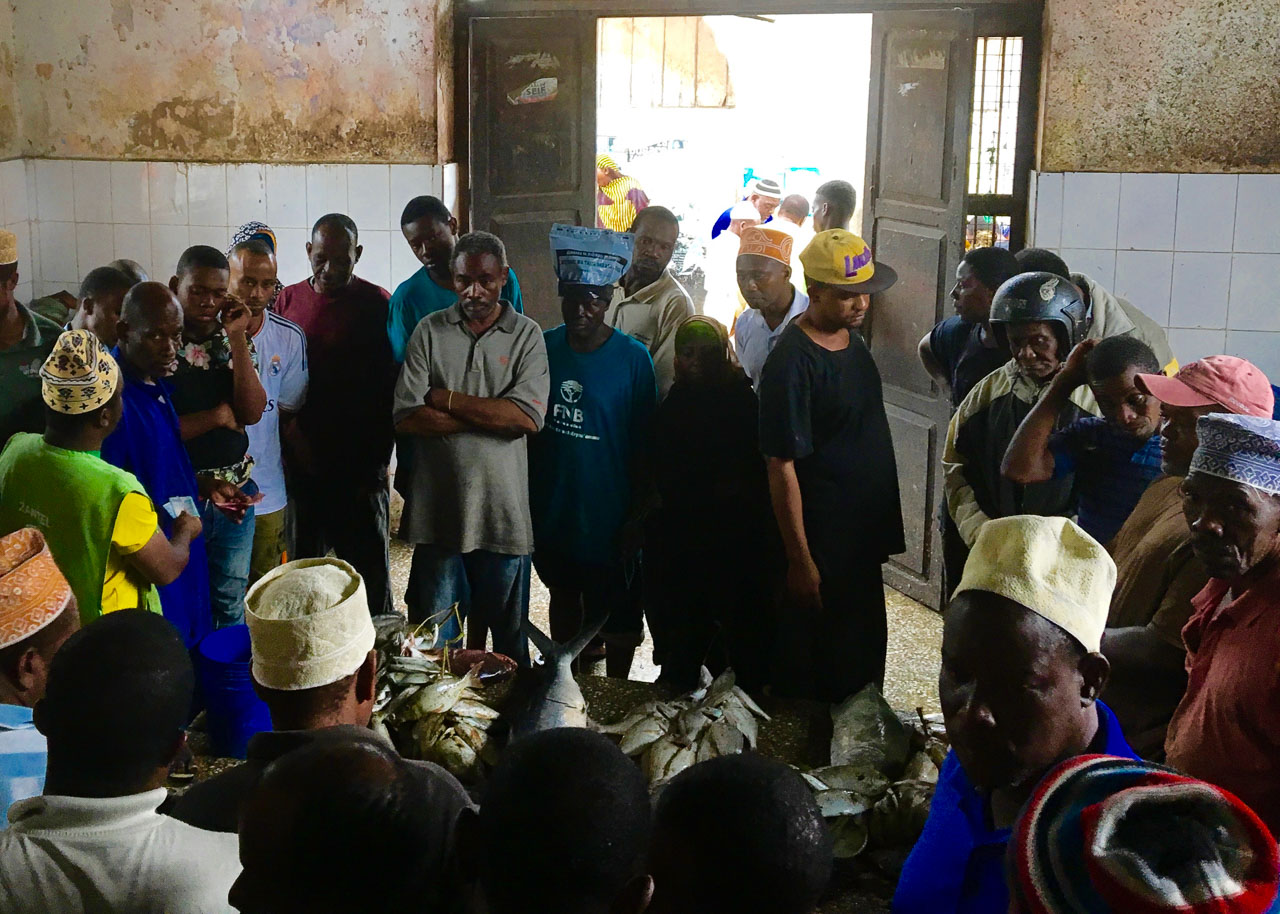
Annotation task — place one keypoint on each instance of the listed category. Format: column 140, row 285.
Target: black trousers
column 352, row 520
column 710, row 603
column 831, row 654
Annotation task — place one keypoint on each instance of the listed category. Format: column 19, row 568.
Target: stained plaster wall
column 10, row 138
column 229, row 80
column 1175, row 86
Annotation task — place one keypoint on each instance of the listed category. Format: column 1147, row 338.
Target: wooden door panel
column 529, row 253
column 532, row 95
column 921, row 88
column 915, row 442
column 908, row 310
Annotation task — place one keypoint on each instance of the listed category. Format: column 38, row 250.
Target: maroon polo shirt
column 347, row 415
column 1227, row 728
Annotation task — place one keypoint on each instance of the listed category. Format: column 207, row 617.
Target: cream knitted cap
column 309, row 624
column 1050, row 566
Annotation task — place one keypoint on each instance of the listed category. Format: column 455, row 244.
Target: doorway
column 698, row 108
column 943, row 169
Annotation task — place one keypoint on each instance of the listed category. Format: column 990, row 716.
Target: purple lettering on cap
column 853, row 264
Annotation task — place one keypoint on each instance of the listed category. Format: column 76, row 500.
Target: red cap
column 1218, row 380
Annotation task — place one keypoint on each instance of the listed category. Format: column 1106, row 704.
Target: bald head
column 131, row 269
column 150, row 330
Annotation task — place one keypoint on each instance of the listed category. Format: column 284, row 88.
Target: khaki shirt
column 470, row 490
column 652, row 315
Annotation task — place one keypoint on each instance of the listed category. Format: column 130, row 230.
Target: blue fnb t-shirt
column 1112, row 471
column 958, row 864
column 148, row 444
column 598, row 419
column 419, row 296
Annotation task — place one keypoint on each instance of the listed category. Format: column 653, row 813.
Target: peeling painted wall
column 1161, row 86
column 10, row 134
column 229, row 80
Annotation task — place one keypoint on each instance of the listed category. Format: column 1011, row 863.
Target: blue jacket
column 958, row 865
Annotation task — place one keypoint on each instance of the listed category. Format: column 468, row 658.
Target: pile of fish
column 884, row 768
column 425, row 711
column 716, row 718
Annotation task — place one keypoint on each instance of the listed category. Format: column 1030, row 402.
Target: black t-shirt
column 958, row 348
column 825, row 410
column 709, row 471
column 204, row 381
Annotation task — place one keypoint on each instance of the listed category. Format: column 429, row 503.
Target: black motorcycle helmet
column 1046, row 297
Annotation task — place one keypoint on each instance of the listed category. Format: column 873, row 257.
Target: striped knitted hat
column 1105, row 834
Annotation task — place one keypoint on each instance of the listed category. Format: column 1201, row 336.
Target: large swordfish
column 556, row 700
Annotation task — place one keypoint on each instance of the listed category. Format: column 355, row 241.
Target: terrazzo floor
column 915, row 635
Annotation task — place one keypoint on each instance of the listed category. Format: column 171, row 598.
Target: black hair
column 432, row 208
column 567, row 812
column 337, row 221
column 302, row 704
column 992, row 266
column 42, row 641
column 118, row 697
column 104, row 281
column 761, row 843
column 144, row 297
column 130, row 268
column 258, row 246
column 843, row 199
column 795, row 205
column 1042, row 260
column 349, row 806
column 201, row 257
column 68, row 425
column 650, row 213
column 480, row 243
column 1115, row 355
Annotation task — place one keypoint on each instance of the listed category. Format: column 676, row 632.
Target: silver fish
column 557, row 700
column 832, row 803
column 437, row 698
column 657, row 758
column 737, row 714
column 645, row 731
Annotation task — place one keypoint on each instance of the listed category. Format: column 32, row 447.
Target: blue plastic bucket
column 234, row 710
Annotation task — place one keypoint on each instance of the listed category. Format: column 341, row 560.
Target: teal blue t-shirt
column 419, row 296
column 598, row 419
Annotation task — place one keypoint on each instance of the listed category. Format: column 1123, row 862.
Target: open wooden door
column 917, row 142
column 532, row 99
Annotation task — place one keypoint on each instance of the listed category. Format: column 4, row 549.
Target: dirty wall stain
column 1162, row 86
column 219, row 80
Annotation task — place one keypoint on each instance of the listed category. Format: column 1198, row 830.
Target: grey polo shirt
column 470, row 490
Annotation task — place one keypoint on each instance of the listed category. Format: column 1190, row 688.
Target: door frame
column 991, row 17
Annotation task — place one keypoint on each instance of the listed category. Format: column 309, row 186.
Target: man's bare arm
column 428, row 422
column 803, row 580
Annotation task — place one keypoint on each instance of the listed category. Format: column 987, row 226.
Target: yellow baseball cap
column 840, row 258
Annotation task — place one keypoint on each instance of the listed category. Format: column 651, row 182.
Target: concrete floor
column 915, row 634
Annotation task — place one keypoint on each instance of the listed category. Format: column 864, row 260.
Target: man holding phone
column 216, row 393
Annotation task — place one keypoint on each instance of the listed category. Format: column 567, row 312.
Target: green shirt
column 21, row 409
column 73, row 497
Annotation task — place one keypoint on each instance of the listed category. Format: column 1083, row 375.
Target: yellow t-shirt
column 136, row 523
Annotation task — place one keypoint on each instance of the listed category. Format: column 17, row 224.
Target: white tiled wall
column 72, row 216
column 1198, row 253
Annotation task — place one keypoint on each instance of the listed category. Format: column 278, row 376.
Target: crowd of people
column 184, row 456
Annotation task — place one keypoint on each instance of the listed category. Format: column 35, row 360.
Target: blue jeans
column 490, row 586
column 230, row 549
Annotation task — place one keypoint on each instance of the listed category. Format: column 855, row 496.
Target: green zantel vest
column 73, row 497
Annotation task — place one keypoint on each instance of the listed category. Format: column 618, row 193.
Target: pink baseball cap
column 1238, row 386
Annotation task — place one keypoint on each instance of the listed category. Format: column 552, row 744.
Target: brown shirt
column 1156, row 572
